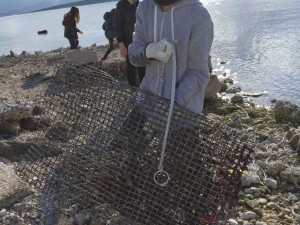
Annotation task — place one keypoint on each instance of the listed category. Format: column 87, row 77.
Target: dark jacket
column 70, row 27
column 108, row 25
column 124, row 21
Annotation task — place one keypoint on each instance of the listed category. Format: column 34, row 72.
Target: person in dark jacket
column 70, row 20
column 108, row 27
column 124, row 28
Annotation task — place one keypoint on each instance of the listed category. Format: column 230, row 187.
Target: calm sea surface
column 259, row 39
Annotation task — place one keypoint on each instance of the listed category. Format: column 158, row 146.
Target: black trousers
column 111, row 47
column 134, row 74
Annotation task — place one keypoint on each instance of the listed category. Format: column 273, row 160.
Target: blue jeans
column 73, row 43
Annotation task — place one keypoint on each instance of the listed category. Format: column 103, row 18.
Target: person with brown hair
column 70, row 20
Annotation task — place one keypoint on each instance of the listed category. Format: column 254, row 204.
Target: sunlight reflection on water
column 260, row 40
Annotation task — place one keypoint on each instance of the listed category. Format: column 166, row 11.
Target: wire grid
column 100, row 142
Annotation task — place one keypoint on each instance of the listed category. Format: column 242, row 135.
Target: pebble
column 2, row 212
column 248, row 215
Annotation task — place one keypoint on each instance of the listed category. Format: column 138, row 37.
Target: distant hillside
column 84, row 2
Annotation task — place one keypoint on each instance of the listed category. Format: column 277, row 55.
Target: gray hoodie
column 189, row 26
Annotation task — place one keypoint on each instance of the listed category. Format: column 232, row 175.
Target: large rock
column 15, row 111
column 285, row 111
column 10, row 116
column 13, row 150
column 12, row 188
column 291, row 174
column 293, row 137
column 213, row 87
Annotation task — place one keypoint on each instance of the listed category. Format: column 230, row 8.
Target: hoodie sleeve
column 197, row 75
column 137, row 47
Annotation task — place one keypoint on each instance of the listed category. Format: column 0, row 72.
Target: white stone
column 2, row 212
column 260, row 223
column 232, row 222
column 249, row 215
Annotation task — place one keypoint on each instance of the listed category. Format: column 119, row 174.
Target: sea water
column 259, row 40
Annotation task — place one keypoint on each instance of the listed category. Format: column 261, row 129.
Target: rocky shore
column 270, row 192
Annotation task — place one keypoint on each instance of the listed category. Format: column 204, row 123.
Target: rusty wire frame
column 100, row 142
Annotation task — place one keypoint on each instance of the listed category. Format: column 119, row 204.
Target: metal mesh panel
column 100, row 141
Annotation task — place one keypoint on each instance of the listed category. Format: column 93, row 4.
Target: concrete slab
column 81, row 57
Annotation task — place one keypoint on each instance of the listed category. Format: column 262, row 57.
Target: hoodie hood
column 179, row 3
column 165, row 2
column 107, row 15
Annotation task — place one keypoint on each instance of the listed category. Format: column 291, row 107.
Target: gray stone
column 233, row 90
column 260, row 223
column 54, row 59
column 82, row 217
column 273, row 198
column 232, row 222
column 250, row 179
column 237, row 98
column 252, row 203
column 249, row 215
column 271, row 183
column 235, row 124
column 2, row 212
column 262, row 201
column 11, row 186
column 297, row 218
column 20, row 207
column 275, row 168
column 291, row 174
column 292, row 198
column 293, row 137
column 15, row 111
column 272, row 205
column 285, row 111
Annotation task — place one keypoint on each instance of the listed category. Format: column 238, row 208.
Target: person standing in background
column 124, row 28
column 108, row 27
column 70, row 20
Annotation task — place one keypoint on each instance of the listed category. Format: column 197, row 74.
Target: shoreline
column 260, row 99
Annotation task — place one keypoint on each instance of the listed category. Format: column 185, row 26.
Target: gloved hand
column 161, row 50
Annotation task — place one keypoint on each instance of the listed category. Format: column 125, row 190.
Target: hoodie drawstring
column 161, row 171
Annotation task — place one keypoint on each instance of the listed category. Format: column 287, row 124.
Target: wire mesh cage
column 100, row 142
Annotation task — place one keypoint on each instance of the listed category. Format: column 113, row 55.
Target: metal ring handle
column 162, row 173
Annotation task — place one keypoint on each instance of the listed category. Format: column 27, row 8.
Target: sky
column 19, row 6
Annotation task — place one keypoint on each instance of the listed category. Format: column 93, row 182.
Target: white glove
column 161, row 50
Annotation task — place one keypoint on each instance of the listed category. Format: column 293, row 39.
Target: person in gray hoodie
column 173, row 38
